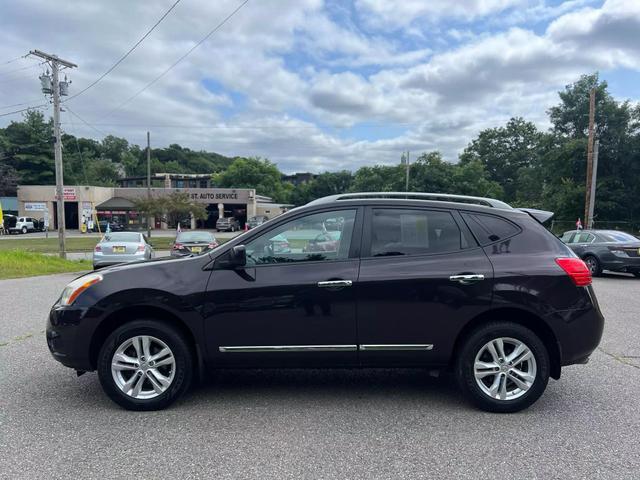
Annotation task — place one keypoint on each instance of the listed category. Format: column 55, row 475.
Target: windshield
column 122, row 237
column 618, row 237
column 194, row 237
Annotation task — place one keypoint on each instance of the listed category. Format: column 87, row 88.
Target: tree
column 256, row 173
column 172, row 208
column 379, row 178
column 506, row 152
column 8, row 181
column 328, row 183
column 27, row 147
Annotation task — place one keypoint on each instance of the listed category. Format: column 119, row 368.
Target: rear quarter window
column 489, row 228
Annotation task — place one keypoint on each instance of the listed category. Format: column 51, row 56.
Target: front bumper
column 68, row 333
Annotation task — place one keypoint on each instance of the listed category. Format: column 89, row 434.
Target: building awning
column 116, row 203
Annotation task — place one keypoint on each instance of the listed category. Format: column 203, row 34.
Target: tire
column 515, row 398
column 594, row 265
column 172, row 379
column 24, row 230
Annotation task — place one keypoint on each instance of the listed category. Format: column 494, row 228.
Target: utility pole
column 587, row 201
column 594, row 176
column 148, row 181
column 55, row 63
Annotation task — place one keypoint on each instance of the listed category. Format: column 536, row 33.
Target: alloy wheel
column 143, row 367
column 592, row 264
column 505, row 368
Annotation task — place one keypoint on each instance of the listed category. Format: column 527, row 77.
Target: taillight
column 98, row 248
column 213, row 245
column 177, row 246
column 576, row 269
column 140, row 248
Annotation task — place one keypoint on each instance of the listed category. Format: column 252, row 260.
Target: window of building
column 413, row 232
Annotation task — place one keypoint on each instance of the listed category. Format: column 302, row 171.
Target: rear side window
column 489, row 228
column 566, row 238
column 413, row 232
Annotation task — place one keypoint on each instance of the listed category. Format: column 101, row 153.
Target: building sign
column 200, row 195
column 69, row 194
column 35, row 206
column 213, row 196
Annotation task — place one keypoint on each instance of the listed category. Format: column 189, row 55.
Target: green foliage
column 505, row 151
column 172, row 208
column 27, row 147
column 256, row 173
column 516, row 162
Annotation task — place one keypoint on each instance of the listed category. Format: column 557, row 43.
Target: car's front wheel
column 145, row 365
column 24, row 230
column 503, row 367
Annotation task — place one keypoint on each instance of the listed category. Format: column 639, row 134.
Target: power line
column 84, row 168
column 215, row 29
column 126, row 54
column 14, row 59
column 20, row 104
column 84, row 121
column 25, row 109
column 33, row 65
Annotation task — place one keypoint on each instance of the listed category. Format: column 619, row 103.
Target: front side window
column 413, row 232
column 299, row 240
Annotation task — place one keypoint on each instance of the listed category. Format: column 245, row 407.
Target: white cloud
column 400, row 13
column 292, row 78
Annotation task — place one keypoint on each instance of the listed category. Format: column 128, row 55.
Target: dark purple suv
column 429, row 281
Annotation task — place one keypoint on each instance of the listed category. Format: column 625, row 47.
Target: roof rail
column 437, row 197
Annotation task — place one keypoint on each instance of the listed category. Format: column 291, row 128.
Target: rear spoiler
column 541, row 216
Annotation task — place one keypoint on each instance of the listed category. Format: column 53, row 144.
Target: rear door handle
column 466, row 279
column 335, row 283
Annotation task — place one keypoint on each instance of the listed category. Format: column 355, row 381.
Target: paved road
column 316, row 424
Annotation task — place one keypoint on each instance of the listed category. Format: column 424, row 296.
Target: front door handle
column 335, row 283
column 466, row 279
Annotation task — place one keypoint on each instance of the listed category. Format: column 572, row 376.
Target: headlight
column 619, row 253
column 72, row 291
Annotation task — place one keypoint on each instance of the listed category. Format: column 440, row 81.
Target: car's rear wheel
column 503, row 367
column 145, row 365
column 594, row 265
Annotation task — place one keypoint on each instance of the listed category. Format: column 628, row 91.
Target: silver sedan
column 121, row 247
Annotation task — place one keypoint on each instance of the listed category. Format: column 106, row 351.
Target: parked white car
column 24, row 225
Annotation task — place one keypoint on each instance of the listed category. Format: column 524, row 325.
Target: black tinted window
column 489, row 228
column 413, row 232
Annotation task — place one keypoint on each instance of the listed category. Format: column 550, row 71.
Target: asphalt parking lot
column 316, row 424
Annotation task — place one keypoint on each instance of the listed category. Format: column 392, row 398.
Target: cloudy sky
column 317, row 85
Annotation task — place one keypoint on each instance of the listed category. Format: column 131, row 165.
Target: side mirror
column 234, row 258
column 238, row 256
